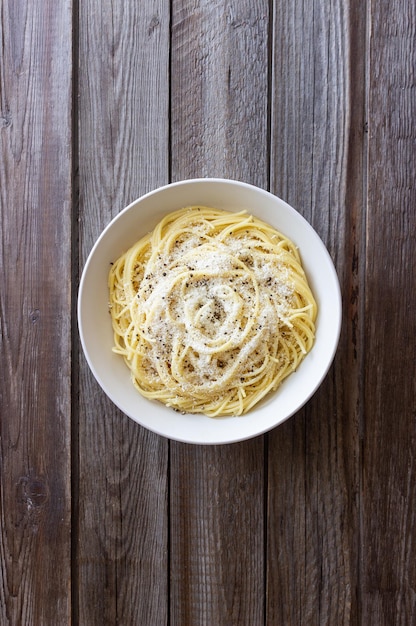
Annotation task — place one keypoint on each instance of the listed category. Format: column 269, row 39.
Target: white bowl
column 96, row 332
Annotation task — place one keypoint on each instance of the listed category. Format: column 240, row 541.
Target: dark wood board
column 219, row 66
column 122, row 503
column 35, row 312
column 388, row 554
column 317, row 161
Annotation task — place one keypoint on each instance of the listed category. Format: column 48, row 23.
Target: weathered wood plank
column 317, row 166
column 219, row 84
column 217, row 534
column 35, row 311
column 123, row 152
column 219, row 90
column 389, row 471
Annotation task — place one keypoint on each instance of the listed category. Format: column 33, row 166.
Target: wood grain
column 102, row 522
column 219, row 68
column 35, row 312
column 217, row 534
column 122, row 528
column 219, row 83
column 389, row 493
column 317, row 157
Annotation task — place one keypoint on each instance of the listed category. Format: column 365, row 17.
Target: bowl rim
column 336, row 295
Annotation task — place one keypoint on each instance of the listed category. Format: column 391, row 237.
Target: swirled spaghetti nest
column 211, row 311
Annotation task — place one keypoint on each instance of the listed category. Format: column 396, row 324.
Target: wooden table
column 103, row 522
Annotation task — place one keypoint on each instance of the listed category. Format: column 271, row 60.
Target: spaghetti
column 211, row 311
